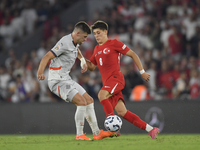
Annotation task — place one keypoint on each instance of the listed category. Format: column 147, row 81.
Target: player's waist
column 59, row 69
column 55, row 68
column 114, row 75
column 61, row 74
column 58, row 77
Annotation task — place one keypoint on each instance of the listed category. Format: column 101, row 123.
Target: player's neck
column 104, row 41
column 73, row 38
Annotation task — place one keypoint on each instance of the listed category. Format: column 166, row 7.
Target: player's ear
column 78, row 32
column 105, row 31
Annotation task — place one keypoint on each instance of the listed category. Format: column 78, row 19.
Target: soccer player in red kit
column 106, row 56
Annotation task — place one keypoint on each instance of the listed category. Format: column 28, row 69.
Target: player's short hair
column 100, row 25
column 82, row 25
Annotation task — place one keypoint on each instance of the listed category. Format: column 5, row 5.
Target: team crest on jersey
column 106, row 51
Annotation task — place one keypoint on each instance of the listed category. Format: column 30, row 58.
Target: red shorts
column 115, row 87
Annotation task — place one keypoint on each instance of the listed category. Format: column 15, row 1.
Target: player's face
column 100, row 35
column 81, row 37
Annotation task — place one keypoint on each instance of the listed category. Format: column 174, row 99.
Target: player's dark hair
column 83, row 26
column 100, row 25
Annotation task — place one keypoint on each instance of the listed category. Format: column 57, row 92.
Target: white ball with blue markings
column 113, row 123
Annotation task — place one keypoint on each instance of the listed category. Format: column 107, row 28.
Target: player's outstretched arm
column 43, row 64
column 137, row 61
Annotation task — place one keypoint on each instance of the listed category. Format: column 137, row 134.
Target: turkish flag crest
column 106, row 51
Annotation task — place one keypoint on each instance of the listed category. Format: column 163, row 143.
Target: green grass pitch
column 124, row 142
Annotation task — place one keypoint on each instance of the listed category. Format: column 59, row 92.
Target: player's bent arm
column 43, row 64
column 83, row 62
column 90, row 65
column 137, row 61
column 79, row 54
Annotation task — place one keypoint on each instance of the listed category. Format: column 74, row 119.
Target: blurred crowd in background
column 164, row 33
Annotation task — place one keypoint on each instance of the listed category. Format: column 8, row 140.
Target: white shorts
column 65, row 89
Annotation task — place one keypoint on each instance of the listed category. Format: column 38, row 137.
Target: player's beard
column 79, row 42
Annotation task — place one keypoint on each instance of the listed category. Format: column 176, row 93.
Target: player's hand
column 41, row 76
column 146, row 76
column 84, row 69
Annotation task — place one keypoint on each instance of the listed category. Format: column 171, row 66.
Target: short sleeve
column 121, row 47
column 59, row 48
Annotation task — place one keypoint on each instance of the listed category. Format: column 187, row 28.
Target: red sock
column 134, row 119
column 107, row 107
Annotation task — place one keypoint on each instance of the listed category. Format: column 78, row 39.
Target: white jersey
column 66, row 54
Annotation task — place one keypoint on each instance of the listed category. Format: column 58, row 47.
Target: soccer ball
column 113, row 123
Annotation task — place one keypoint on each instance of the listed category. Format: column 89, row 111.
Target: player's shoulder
column 115, row 41
column 66, row 39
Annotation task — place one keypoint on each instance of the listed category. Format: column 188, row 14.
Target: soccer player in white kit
column 63, row 56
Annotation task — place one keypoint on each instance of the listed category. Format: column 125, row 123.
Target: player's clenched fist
column 41, row 77
column 145, row 76
column 84, row 69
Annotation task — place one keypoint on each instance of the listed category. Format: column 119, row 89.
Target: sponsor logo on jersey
column 99, row 52
column 124, row 46
column 106, row 86
column 106, row 51
column 57, row 47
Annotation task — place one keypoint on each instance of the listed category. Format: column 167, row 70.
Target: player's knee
column 121, row 113
column 89, row 100
column 81, row 102
column 101, row 96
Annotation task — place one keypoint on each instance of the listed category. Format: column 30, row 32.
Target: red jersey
column 107, row 58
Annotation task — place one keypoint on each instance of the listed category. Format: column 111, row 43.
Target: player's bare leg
column 91, row 118
column 81, row 103
column 121, row 110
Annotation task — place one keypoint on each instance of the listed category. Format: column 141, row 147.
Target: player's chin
column 80, row 43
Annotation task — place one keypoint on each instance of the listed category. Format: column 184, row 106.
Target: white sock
column 91, row 119
column 80, row 119
column 148, row 128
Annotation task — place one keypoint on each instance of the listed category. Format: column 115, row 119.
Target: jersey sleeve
column 121, row 47
column 59, row 48
column 92, row 59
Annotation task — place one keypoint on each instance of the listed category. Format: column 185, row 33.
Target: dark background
column 58, row 118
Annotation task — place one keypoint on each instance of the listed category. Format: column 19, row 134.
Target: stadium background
column 165, row 35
